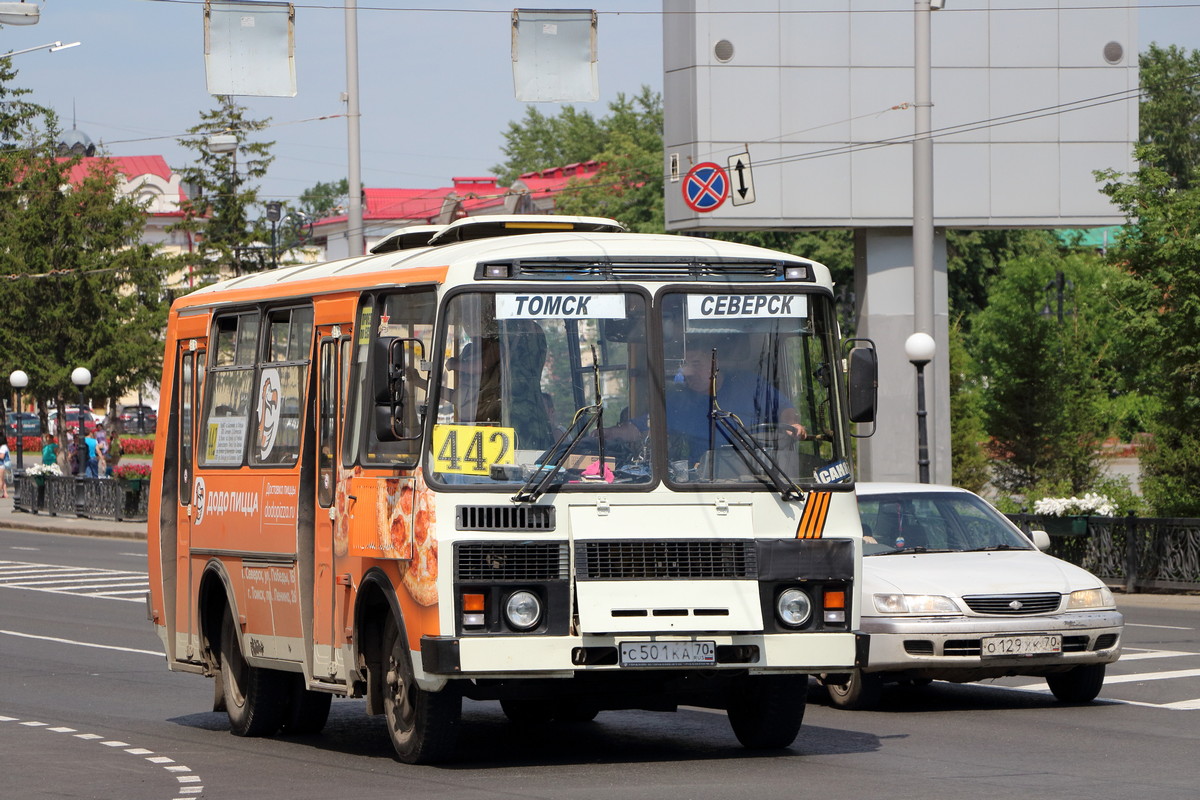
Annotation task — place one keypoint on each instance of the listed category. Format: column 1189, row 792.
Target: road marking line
column 1183, row 705
column 161, row 760
column 34, row 724
column 88, row 736
column 1152, row 676
column 1160, row 627
column 178, row 768
column 138, row 751
column 188, row 778
column 82, row 644
column 1141, row 655
column 115, row 743
column 62, row 730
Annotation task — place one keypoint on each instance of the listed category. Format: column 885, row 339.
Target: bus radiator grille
column 488, row 562
column 675, row 559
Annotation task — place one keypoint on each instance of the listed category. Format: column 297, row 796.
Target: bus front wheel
column 422, row 725
column 255, row 698
column 766, row 711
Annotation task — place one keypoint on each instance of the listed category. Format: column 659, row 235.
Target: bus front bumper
column 566, row 656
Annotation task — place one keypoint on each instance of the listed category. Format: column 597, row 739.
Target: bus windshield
column 563, row 389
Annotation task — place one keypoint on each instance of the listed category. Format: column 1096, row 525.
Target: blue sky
column 435, row 86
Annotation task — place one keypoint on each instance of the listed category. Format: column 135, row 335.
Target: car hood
column 958, row 574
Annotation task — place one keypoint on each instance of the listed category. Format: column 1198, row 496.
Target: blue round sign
column 705, row 187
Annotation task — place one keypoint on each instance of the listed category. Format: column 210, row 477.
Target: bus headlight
column 523, row 610
column 793, row 607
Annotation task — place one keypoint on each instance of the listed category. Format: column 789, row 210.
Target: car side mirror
column 1041, row 540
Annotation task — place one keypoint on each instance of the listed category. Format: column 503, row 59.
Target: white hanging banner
column 249, row 48
column 554, row 56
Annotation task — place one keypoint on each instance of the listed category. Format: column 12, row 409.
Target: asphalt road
column 88, row 710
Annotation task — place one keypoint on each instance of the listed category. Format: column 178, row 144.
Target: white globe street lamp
column 81, row 377
column 19, row 380
column 920, row 349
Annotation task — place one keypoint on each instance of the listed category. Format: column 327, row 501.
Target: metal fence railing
column 1134, row 553
column 94, row 498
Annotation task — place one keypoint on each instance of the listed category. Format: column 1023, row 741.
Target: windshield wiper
column 741, row 439
column 736, row 432
column 550, row 467
column 992, row 547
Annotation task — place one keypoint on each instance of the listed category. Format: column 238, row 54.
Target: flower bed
column 131, row 472
column 1091, row 504
column 137, row 447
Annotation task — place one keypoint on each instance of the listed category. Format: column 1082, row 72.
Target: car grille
column 1014, row 605
column 973, row 647
column 677, row 559
column 484, row 562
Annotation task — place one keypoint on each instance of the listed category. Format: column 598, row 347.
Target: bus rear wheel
column 255, row 698
column 422, row 725
column 307, row 711
column 766, row 711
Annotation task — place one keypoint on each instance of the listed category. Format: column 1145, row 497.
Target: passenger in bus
column 746, row 395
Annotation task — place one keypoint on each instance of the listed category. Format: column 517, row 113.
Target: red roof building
column 149, row 180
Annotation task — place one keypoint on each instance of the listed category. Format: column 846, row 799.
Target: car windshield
column 934, row 521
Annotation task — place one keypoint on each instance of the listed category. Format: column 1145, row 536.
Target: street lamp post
column 920, row 348
column 81, row 377
column 19, row 381
column 273, row 213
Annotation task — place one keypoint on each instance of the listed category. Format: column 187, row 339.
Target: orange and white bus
column 534, row 460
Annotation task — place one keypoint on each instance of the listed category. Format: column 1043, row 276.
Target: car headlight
column 1091, row 598
column 523, row 610
column 793, row 607
column 919, row 604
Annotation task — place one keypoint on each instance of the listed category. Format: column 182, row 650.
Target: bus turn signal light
column 472, row 605
column 835, row 605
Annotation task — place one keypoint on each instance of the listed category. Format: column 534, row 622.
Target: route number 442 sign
column 471, row 449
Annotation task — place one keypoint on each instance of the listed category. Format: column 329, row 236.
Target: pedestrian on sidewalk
column 91, row 456
column 4, row 465
column 49, row 450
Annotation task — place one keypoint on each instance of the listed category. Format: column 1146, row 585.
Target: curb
column 83, row 527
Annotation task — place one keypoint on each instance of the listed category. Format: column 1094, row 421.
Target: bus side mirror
column 391, row 362
column 864, row 381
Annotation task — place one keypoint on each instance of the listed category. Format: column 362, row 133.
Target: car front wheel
column 1078, row 685
column 860, row 692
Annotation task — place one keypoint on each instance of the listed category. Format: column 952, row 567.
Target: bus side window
column 279, row 390
column 186, row 430
column 327, row 423
column 230, row 378
column 400, row 316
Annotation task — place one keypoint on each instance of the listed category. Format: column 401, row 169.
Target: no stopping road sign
column 705, row 187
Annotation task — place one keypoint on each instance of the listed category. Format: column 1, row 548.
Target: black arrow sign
column 740, row 167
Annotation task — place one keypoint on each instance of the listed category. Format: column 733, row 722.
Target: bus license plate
column 668, row 654
column 1032, row 645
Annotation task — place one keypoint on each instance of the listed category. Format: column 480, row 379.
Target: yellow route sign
column 472, row 449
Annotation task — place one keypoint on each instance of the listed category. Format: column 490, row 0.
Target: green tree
column 322, row 199
column 968, row 436
column 975, row 257
column 223, row 192
column 1169, row 117
column 1161, row 247
column 83, row 290
column 541, row 142
column 1047, row 379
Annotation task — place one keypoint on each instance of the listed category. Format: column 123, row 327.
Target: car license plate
column 1029, row 645
column 668, row 654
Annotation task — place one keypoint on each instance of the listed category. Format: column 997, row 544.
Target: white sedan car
column 954, row 591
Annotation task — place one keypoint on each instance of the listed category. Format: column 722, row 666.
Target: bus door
column 189, row 387
column 331, row 589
